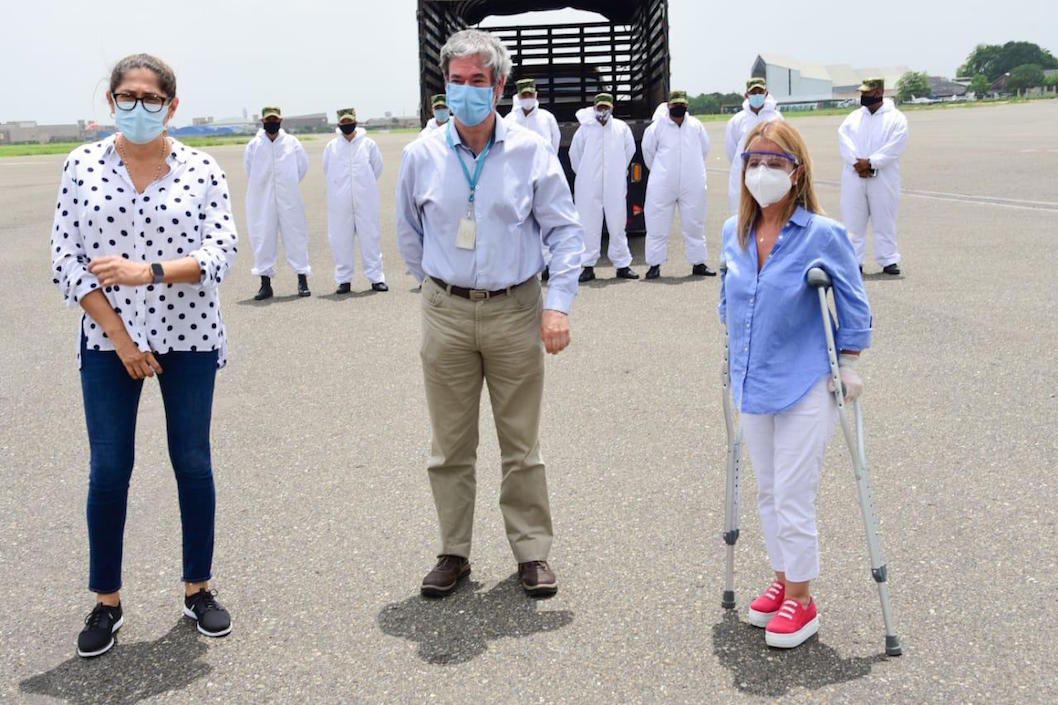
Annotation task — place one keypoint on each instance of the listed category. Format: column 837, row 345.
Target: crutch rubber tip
column 728, row 603
column 892, row 646
column 818, row 278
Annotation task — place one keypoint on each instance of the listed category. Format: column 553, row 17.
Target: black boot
column 654, row 272
column 586, row 275
column 626, row 273
column 265, row 292
column 303, row 285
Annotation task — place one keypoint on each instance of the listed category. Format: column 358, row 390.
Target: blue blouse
column 776, row 338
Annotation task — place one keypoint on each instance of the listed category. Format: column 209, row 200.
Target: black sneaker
column 891, row 269
column 702, row 270
column 379, row 286
column 586, row 275
column 303, row 285
column 654, row 272
column 343, row 288
column 100, row 626
column 626, row 273
column 212, row 618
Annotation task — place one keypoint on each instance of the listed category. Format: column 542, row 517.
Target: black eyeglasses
column 151, row 103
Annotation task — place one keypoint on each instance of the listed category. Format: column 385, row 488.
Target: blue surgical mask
column 470, row 104
column 138, row 125
column 756, row 101
column 441, row 115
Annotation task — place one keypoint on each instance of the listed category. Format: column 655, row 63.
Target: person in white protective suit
column 759, row 106
column 441, row 113
column 275, row 165
column 352, row 164
column 675, row 147
column 526, row 112
column 872, row 140
column 600, row 152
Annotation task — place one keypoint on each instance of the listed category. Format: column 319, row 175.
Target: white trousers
column 345, row 254
column 591, row 218
column 787, row 454
column 265, row 242
column 876, row 199
column 658, row 214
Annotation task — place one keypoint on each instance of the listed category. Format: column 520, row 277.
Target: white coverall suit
column 676, row 156
column 540, row 121
column 881, row 138
column 352, row 168
column 599, row 155
column 735, row 142
column 431, row 125
column 274, row 170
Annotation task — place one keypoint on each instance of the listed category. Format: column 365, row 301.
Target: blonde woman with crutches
column 778, row 366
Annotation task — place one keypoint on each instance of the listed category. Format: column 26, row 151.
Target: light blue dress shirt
column 775, row 332
column 522, row 199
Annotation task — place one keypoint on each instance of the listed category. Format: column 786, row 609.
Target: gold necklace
column 125, row 158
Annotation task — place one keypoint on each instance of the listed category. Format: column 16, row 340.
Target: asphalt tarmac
column 326, row 524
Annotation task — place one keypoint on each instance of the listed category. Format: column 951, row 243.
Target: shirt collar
column 498, row 135
column 800, row 217
column 178, row 151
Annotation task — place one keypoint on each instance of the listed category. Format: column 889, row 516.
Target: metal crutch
column 734, row 471
column 820, row 280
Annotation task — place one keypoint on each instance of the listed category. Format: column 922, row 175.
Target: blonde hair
column 804, row 193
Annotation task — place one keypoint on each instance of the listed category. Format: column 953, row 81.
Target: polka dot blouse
column 187, row 213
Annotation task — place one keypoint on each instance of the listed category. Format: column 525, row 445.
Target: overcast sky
column 319, row 55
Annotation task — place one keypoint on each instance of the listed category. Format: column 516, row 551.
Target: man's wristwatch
column 157, row 273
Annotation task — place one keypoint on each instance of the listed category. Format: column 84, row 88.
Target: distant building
column 795, row 81
column 316, row 122
column 28, row 131
column 945, row 89
column 391, row 122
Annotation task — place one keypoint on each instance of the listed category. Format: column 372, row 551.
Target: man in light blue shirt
column 475, row 201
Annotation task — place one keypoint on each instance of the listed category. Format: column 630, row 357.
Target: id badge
column 467, row 236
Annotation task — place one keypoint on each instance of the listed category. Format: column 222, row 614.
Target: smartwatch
column 157, row 272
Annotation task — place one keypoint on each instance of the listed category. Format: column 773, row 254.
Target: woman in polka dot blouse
column 143, row 236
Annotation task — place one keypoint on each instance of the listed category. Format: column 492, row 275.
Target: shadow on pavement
column 268, row 302
column 128, row 673
column 457, row 629
column 760, row 670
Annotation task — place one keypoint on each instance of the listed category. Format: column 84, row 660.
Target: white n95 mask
column 767, row 185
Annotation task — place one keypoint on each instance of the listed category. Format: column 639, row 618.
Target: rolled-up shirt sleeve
column 855, row 322
column 69, row 260
column 216, row 253
column 409, row 218
column 560, row 230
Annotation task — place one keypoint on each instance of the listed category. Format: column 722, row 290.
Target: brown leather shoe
column 538, row 580
column 445, row 576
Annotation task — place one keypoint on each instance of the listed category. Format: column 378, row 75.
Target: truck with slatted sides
column 627, row 55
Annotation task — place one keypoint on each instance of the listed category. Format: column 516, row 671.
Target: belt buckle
column 478, row 294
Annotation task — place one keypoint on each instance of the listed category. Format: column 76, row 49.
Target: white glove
column 852, row 382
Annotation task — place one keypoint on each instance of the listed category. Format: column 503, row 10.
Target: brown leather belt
column 473, row 294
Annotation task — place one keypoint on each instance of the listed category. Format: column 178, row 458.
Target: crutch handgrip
column 818, row 278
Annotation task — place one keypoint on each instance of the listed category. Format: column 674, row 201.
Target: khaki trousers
column 497, row 341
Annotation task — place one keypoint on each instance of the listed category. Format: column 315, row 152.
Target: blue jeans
column 111, row 401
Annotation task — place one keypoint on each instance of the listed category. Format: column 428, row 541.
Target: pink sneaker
column 792, row 625
column 767, row 605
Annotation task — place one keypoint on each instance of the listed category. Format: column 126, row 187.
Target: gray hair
column 474, row 42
